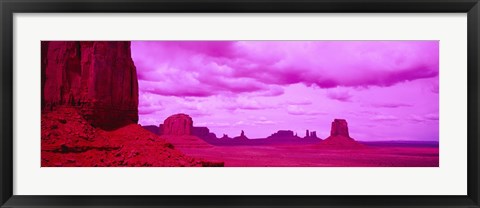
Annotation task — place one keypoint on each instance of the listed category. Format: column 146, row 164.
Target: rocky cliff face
column 99, row 78
column 177, row 125
column 339, row 128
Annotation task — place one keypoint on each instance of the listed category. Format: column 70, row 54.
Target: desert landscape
column 284, row 149
column 102, row 108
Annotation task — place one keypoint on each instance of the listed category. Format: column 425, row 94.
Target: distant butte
column 178, row 129
column 339, row 128
column 283, row 134
column 241, row 137
column 339, row 135
column 225, row 136
column 310, row 135
column 177, row 125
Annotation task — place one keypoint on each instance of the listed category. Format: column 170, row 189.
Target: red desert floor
column 310, row 155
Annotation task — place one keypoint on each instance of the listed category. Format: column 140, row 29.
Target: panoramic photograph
column 240, row 103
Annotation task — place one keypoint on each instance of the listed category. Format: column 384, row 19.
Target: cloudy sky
column 386, row 90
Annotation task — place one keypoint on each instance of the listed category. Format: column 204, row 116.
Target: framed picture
column 243, row 104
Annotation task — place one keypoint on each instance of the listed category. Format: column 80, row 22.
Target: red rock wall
column 178, row 125
column 98, row 77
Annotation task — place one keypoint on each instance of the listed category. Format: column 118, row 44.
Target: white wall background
column 448, row 179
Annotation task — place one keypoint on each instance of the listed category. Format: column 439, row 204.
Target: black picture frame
column 9, row 7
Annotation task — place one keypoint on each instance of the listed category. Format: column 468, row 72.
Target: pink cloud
column 390, row 105
column 267, row 122
column 435, row 88
column 424, row 118
column 299, row 102
column 295, row 110
column 432, row 116
column 340, row 95
column 209, row 48
column 161, row 88
column 271, row 91
column 245, row 103
column 246, row 66
column 213, row 124
column 149, row 104
column 361, row 63
column 196, row 113
column 298, row 110
column 384, row 118
column 149, row 109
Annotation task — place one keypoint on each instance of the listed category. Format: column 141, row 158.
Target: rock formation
column 339, row 128
column 225, row 137
column 310, row 135
column 282, row 134
column 200, row 131
column 205, row 134
column 177, row 125
column 178, row 129
column 97, row 77
column 339, row 135
column 288, row 137
column 241, row 137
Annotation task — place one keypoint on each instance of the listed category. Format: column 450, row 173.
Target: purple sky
column 387, row 90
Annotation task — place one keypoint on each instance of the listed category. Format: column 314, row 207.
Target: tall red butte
column 97, row 77
column 178, row 130
column 339, row 136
